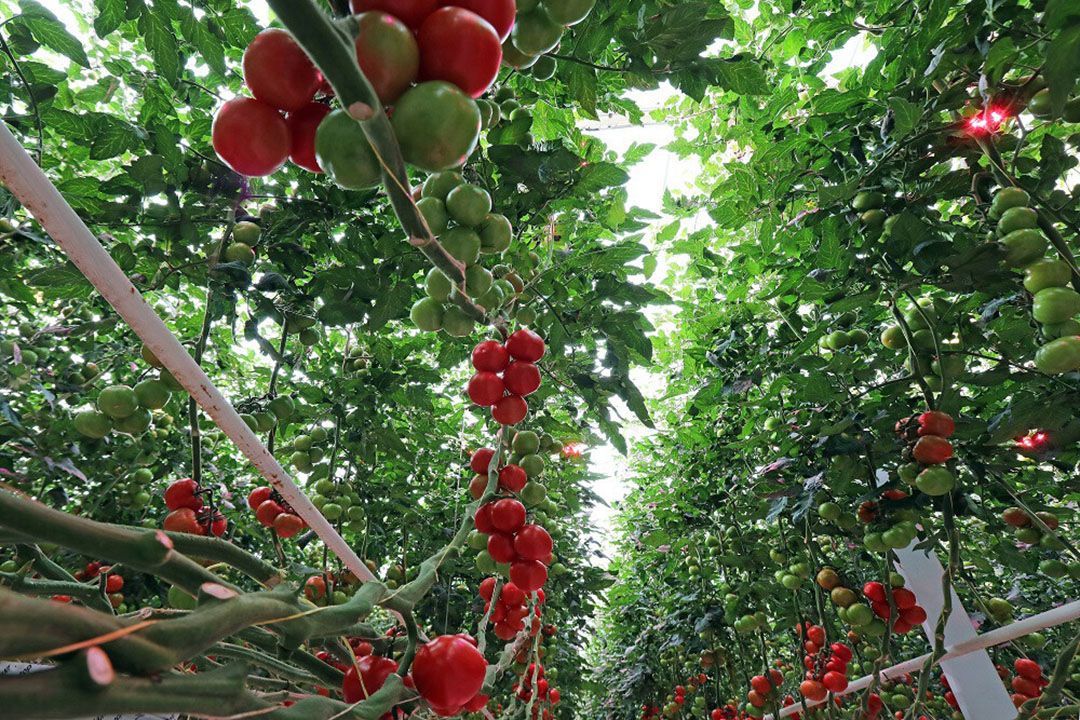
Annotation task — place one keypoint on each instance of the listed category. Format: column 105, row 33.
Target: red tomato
column 521, row 378
column 487, row 588
column 302, row 126
column 459, row 46
column 529, row 575
column 286, row 525
column 114, row 584
column 258, row 496
column 903, row 598
column 183, row 520
column 835, row 682
column 511, row 410
column 490, row 356
column 936, row 422
column 478, row 486
column 816, row 635
column 315, row 588
column 812, row 690
column 508, row 515
column 511, row 594
column 217, row 525
column 761, row 685
column 841, row 651
column 250, row 137
column 533, row 542
column 875, row 591
column 485, row 389
column 448, row 671
column 932, row 450
column 1027, row 668
column 482, row 519
column 512, row 478
column 279, row 72
column 410, row 12
column 481, row 459
column 181, row 494
column 525, row 345
column 476, row 704
column 387, row 53
column 500, row 13
column 268, row 512
column 913, row 615
column 373, row 673
column 500, row 547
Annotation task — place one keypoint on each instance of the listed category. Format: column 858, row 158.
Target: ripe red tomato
column 387, row 53
column 448, row 671
column 914, row 615
column 816, row 635
column 835, row 682
column 500, row 13
column 521, row 378
column 508, row 515
column 478, row 486
column 216, row 525
column 513, row 478
column 286, row 525
column 114, row 584
column 461, row 47
column 258, row 496
column 481, row 459
column 279, row 72
column 932, row 450
column 761, row 685
column 511, row 594
column 875, row 591
column 268, row 512
column 410, row 12
column 490, row 356
column 476, row 704
column 250, row 137
column 487, row 588
column 485, row 389
column 529, row 575
column 1027, row 668
column 841, row 651
column 373, row 671
column 533, row 542
column 812, row 690
column 482, row 519
column 500, row 547
column 181, row 494
column 554, row 696
column 903, row 598
column 936, row 422
column 511, row 410
column 525, row 345
column 183, row 520
column 302, row 126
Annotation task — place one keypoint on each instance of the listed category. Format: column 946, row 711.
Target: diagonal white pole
column 28, row 183
column 1051, row 618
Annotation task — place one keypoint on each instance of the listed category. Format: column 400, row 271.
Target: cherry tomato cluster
column 928, row 445
column 526, row 547
column 114, row 583
column 826, row 672
column 533, row 677
column 764, row 687
column 1027, row 683
column 273, row 512
column 505, row 374
column 189, row 514
column 508, row 615
column 908, row 612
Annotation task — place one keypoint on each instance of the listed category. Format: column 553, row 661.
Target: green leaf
column 111, row 137
column 50, row 32
column 1062, row 66
column 196, row 33
column 597, row 176
column 161, row 43
column 65, row 281
column 581, row 82
column 906, row 114
column 110, row 15
column 742, row 75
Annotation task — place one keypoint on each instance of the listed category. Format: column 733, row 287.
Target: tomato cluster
column 273, row 512
column 927, row 444
column 114, row 583
column 908, row 612
column 188, row 513
column 505, row 374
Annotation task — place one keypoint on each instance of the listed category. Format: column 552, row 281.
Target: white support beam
column 979, row 643
column 25, row 180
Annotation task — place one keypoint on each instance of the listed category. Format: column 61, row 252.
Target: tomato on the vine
column 461, row 47
column 529, row 575
column 182, row 494
column 278, row 71
column 410, row 12
column 500, row 547
column 935, row 422
column 268, row 511
column 481, row 459
column 508, row 515
column 343, row 151
column 525, row 345
column 932, row 450
column 485, row 389
column 512, row 478
column 287, row 524
column 251, row 137
column 436, row 125
column 258, row 496
column 448, row 671
column 521, row 378
column 373, row 671
column 510, row 410
column 490, row 356
column 533, row 542
column 303, row 124
column 387, row 53
column 500, row 13
column 183, row 520
column 569, row 12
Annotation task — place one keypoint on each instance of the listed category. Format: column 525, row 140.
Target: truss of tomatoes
column 189, row 513
column 273, row 512
column 426, row 62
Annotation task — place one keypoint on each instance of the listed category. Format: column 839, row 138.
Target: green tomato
column 533, row 465
column 1046, row 273
column 1040, row 104
column 118, row 401
column 1024, row 246
column 535, row 32
column 791, row 582
column 437, row 125
column 873, row 219
column 1017, row 218
column 134, row 424
column 1055, row 305
column 468, row 204
column 92, row 424
column 496, row 232
column 1059, row 356
column 478, row 280
column 526, row 442
column 859, row 615
column 515, row 59
column 463, row 244
column 438, row 185
column 893, row 338
column 427, row 314
column 1008, row 198
column 829, row 511
column 868, row 200
column 435, row 215
column 282, row 407
column 533, row 493
column 332, row 511
column 935, row 480
column 245, row 232
column 1062, row 329
column 437, row 285
column 569, row 12
column 544, row 68
column 456, row 323
column 343, row 151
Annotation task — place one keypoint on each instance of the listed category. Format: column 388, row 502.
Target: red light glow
column 573, row 451
column 1033, row 441
column 988, row 121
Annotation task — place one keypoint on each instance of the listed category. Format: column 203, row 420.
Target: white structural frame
column 26, row 181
